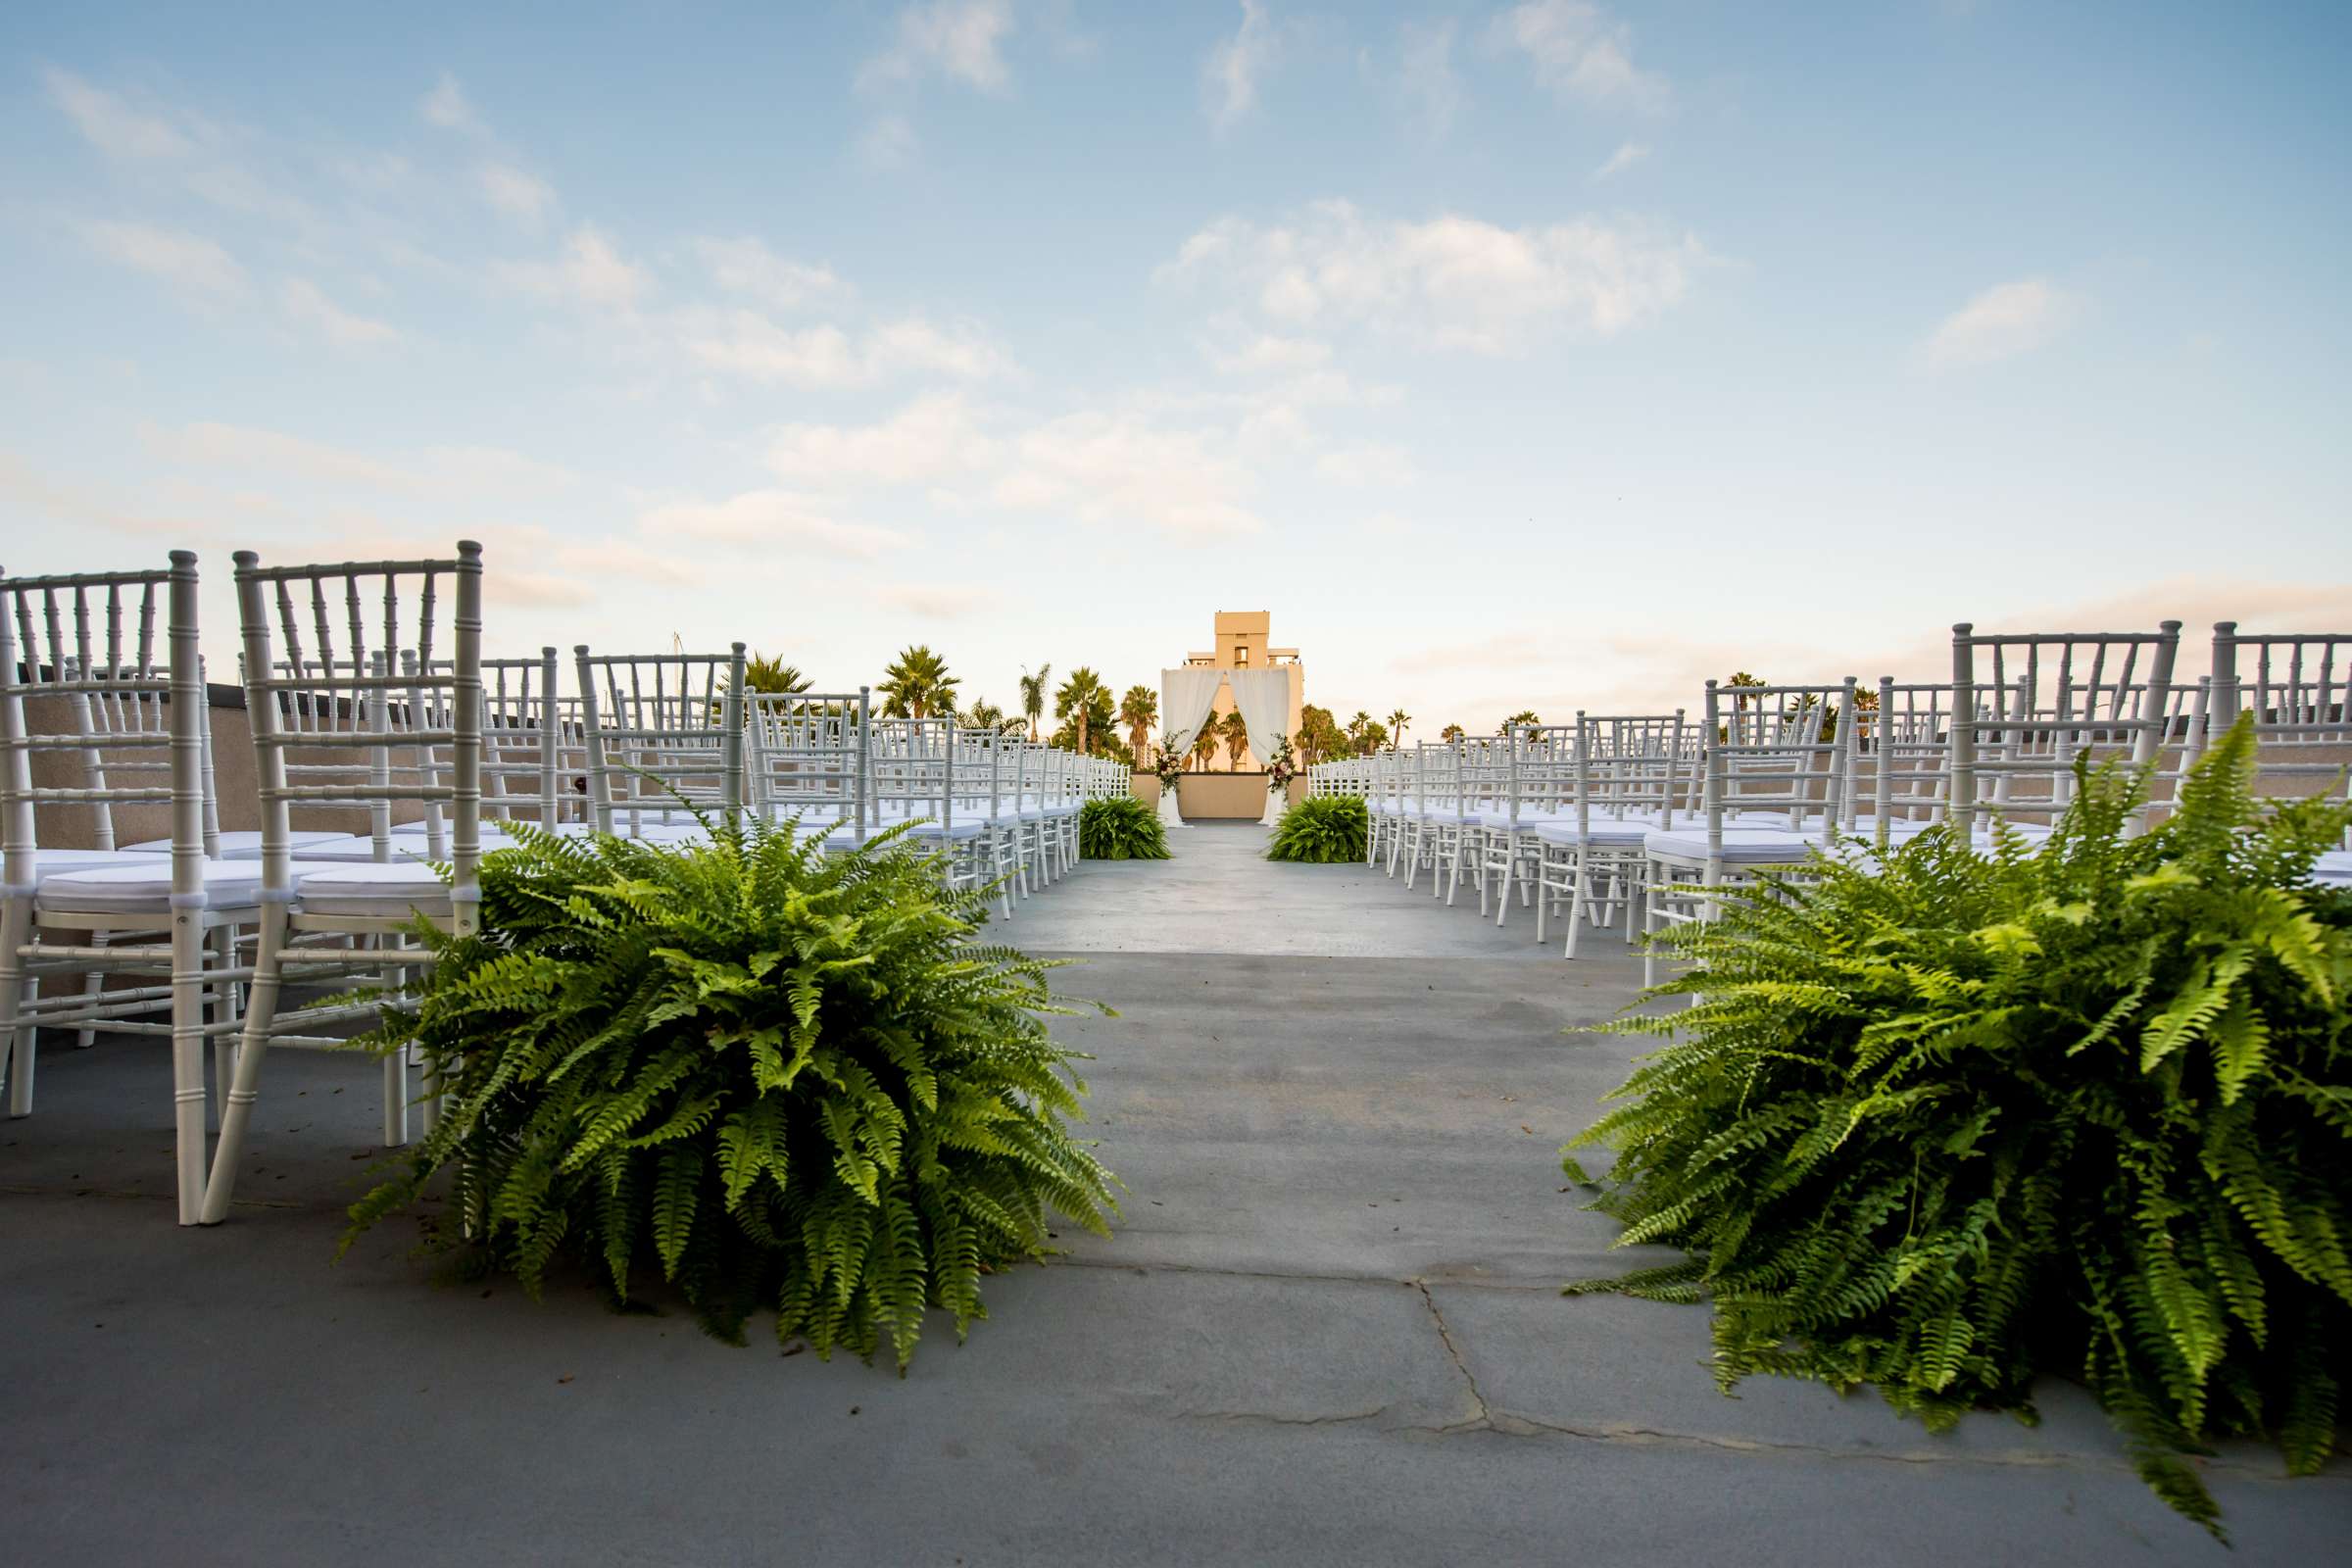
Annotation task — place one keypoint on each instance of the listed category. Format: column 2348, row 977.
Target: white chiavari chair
column 662, row 738
column 1538, row 765
column 1631, row 775
column 1776, row 765
column 2298, row 688
column 809, row 763
column 187, row 904
column 2099, row 696
column 403, row 715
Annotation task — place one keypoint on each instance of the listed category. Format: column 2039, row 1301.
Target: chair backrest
column 809, row 758
column 1779, row 752
column 913, row 770
column 522, row 740
column 2298, row 688
column 387, row 698
column 1537, row 768
column 2096, row 695
column 659, row 726
column 88, row 643
column 1627, row 765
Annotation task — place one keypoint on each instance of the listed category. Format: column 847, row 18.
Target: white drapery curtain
column 1263, row 697
column 1186, row 696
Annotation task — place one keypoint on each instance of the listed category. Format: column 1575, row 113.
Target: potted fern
column 1954, row 1121
column 775, row 1079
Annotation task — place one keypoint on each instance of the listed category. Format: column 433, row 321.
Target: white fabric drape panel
column 1263, row 697
column 1185, row 697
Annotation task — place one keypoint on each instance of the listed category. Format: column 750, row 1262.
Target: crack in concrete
column 1266, row 1418
column 1129, row 1265
column 1485, row 1414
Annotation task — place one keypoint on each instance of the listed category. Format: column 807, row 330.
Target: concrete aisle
column 1327, row 1330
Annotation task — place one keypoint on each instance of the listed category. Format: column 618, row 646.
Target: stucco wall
column 1226, row 796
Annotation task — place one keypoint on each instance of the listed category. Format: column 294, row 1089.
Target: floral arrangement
column 1168, row 766
column 1281, row 768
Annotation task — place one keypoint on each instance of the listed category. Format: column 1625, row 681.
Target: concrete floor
column 1327, row 1330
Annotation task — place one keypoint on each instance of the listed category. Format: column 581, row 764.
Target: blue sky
column 1550, row 354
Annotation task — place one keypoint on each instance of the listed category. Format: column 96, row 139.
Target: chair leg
column 17, row 1040
column 187, row 1057
column 396, row 1070
column 224, row 1012
column 261, row 1012
column 1576, row 902
column 91, row 985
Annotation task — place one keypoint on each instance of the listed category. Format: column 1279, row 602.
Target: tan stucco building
column 1244, row 642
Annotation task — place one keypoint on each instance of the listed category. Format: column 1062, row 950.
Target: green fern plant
column 1120, row 828
column 1322, row 829
column 1970, row 1118
column 775, row 1078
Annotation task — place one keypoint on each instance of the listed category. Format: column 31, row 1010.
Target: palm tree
column 1318, row 735
column 1205, row 743
column 1525, row 715
column 982, row 714
column 1032, row 696
column 1139, row 710
column 1077, row 700
column 1396, row 722
column 1236, row 740
column 917, row 684
column 1740, row 677
column 1451, row 733
column 764, row 674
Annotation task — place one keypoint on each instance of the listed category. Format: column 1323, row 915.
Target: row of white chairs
column 368, row 699
column 1640, row 820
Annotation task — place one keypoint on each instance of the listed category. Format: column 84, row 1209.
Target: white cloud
column 1230, row 75
column 1425, row 75
column 466, row 473
column 748, row 267
column 305, row 303
column 2011, row 319
column 771, row 517
column 1580, row 52
column 521, row 196
column 1454, row 281
column 1270, row 353
column 932, row 438
column 939, row 601
column 1107, row 467
column 590, row 271
column 955, row 38
column 888, row 143
column 748, row 344
column 912, row 344
column 446, row 106
column 111, row 124
column 188, row 262
column 1096, row 467
column 1385, row 467
column 1622, row 158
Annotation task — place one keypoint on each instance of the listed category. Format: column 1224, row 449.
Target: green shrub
column 1121, row 828
column 1976, row 1118
column 1322, row 829
column 786, row 1080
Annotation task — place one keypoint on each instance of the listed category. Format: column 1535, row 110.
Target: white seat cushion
column 244, row 844
column 1607, row 832
column 47, row 864
column 1745, row 846
column 142, row 885
column 390, row 892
